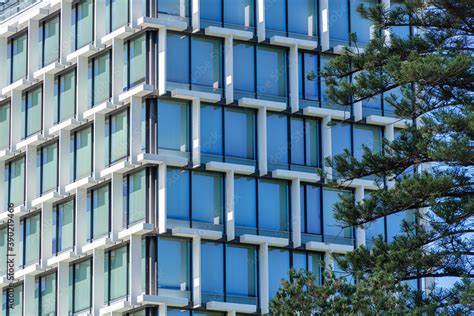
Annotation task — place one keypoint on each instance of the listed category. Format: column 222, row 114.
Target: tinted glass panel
column 271, row 71
column 50, row 41
column 273, row 207
column 173, row 122
column 173, row 264
column 207, row 199
column 239, row 134
column 4, row 125
column 84, row 23
column 206, row 61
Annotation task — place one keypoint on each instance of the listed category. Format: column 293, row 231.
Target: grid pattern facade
column 163, row 156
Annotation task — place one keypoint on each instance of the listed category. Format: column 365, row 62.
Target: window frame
column 25, row 98
column 40, row 153
column 43, row 39
column 11, row 44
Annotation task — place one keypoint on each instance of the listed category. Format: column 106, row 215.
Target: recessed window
column 116, row 14
column 4, row 125
column 45, row 294
column 65, row 93
column 334, row 231
column 49, row 41
column 117, row 137
column 206, row 61
column 15, row 186
column 83, row 23
column 116, row 274
column 47, row 168
column 98, row 209
column 135, row 204
column 81, row 148
column 30, row 234
column 80, row 286
column 173, row 125
column 271, row 73
column 173, row 265
column 100, row 79
column 273, row 208
column 135, row 61
column 17, row 57
column 174, row 7
column 63, row 226
column 32, row 110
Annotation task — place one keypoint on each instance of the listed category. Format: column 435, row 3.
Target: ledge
column 226, row 32
column 139, row 229
column 101, row 243
column 193, row 94
column 120, row 167
column 292, row 175
column 384, row 121
column 7, row 31
column 226, row 167
column 17, row 85
column 162, row 300
column 121, row 33
column 260, row 240
column 231, row 307
column 17, row 211
column 322, row 112
column 357, row 183
column 138, row 91
column 50, row 69
column 50, row 197
column 155, row 159
column 6, row 154
column 33, row 140
column 66, row 125
column 328, row 247
column 33, row 269
column 258, row 103
column 289, row 41
column 194, row 232
column 102, row 108
column 116, row 307
column 85, row 51
column 163, row 21
column 34, row 14
column 66, row 256
column 83, row 183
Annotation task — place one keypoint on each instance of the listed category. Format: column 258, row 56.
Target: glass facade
column 202, row 174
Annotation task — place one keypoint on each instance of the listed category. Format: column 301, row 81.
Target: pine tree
column 431, row 162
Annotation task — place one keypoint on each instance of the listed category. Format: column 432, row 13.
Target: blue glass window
column 100, row 79
column 338, row 22
column 239, row 13
column 116, row 14
column 65, row 93
column 304, row 142
column 211, row 12
column 63, row 226
column 50, row 41
column 278, row 266
column 116, row 274
column 177, row 59
column 277, row 140
column 359, row 25
column 30, row 235
column 15, row 182
column 373, row 230
column 117, row 137
column 325, row 101
column 99, row 212
column 311, row 262
column 32, row 111
column 82, row 150
column 241, row 276
column 45, row 292
column 334, row 231
column 17, row 57
column 341, row 139
column 211, row 132
column 273, row 207
column 135, row 61
column 174, row 7
column 212, row 256
column 80, row 285
column 83, row 18
column 309, row 63
column 369, row 136
column 311, row 209
column 173, row 122
column 177, row 194
column 275, row 17
column 135, row 197
column 206, row 64
column 245, row 204
column 244, row 68
column 207, row 199
column 271, row 71
column 302, row 18
column 173, row 264
column 396, row 221
column 240, row 135
column 4, row 125
column 47, row 168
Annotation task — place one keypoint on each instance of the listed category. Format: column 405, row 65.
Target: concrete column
column 16, row 238
column 82, row 102
column 162, row 310
column 3, row 61
column 99, row 144
column 15, row 112
column 99, row 21
column 48, row 103
column 66, row 29
column 135, row 275
column 296, row 212
column 262, row 140
column 229, row 69
column 360, row 231
column 263, row 278
column 136, row 11
column 81, row 226
column 63, row 288
column 162, row 198
column 46, row 232
column 390, row 133
column 135, row 128
column 230, row 210
column 33, row 53
column 261, row 20
column 162, row 36
column 358, row 111
column 117, row 204
column 294, row 82
column 117, row 68
column 31, row 178
column 328, row 261
column 64, row 162
column 29, row 295
column 231, row 313
column 196, row 132
column 97, row 281
column 196, row 16
column 182, row 8
column 324, row 25
column 196, row 245
column 327, row 146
